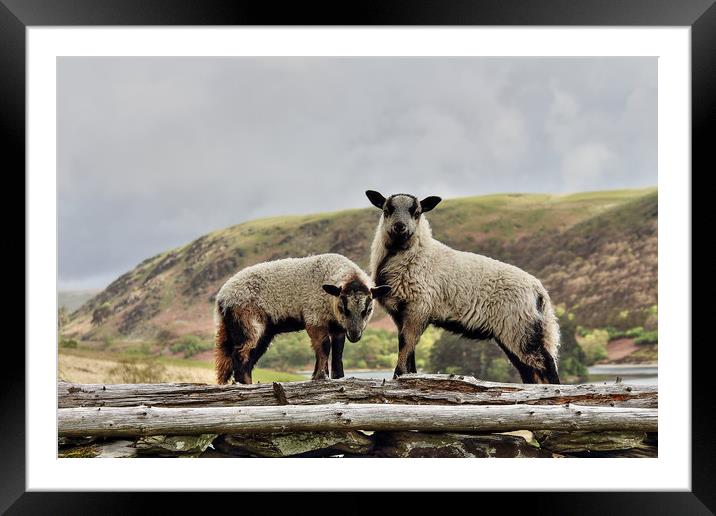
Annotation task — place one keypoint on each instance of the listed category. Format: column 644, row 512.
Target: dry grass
column 92, row 366
column 83, row 369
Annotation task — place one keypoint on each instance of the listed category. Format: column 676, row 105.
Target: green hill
column 595, row 252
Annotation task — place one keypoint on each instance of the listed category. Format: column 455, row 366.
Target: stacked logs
column 413, row 416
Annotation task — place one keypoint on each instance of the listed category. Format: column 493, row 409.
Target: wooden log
column 408, row 389
column 123, row 421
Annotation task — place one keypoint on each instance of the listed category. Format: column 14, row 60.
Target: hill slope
column 595, row 252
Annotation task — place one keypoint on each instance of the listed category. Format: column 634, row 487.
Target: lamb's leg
column 244, row 355
column 241, row 359
column 412, row 368
column 321, row 344
column 409, row 334
column 534, row 365
column 337, row 342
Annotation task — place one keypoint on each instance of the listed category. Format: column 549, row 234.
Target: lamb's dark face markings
column 401, row 215
column 353, row 306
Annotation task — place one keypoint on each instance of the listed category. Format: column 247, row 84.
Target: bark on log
column 119, row 421
column 408, row 389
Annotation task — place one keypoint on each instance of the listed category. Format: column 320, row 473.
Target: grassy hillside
column 595, row 252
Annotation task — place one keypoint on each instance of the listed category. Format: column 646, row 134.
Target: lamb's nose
column 399, row 227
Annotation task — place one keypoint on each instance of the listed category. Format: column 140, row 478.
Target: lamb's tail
column 550, row 325
column 223, row 345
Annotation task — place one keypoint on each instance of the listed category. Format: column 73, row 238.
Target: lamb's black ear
column 376, row 198
column 380, row 291
column 333, row 290
column 429, row 203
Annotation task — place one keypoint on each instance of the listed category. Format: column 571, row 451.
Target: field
column 94, row 366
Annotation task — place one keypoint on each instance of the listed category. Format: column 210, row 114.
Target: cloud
column 585, row 165
column 154, row 152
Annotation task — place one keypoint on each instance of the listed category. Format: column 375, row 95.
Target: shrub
column 100, row 314
column 68, row 343
column 647, row 337
column 165, row 336
column 190, row 345
column 595, row 346
column 582, row 331
column 571, row 356
column 481, row 359
column 289, row 351
column 634, row 333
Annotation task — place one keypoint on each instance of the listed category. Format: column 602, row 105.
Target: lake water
column 598, row 374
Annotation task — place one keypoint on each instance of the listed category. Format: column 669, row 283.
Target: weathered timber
column 294, row 444
column 133, row 421
column 408, row 389
column 452, row 445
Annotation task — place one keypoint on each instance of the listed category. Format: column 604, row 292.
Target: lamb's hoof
column 319, row 376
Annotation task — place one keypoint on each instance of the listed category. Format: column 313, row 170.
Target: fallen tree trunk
column 408, row 389
column 134, row 421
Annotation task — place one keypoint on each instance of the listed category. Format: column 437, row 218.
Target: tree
column 572, row 359
column 481, row 359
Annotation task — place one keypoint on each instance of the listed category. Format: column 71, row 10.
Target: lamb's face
column 401, row 216
column 353, row 306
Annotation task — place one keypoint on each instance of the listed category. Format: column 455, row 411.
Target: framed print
column 239, row 195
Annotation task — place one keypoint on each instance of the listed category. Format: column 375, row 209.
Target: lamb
column 465, row 293
column 327, row 295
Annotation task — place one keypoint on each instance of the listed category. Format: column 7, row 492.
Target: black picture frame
column 700, row 15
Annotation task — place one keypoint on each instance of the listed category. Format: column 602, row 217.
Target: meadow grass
column 95, row 366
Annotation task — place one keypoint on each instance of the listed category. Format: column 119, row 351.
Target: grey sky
column 154, row 152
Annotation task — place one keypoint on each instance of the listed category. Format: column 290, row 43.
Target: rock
column 577, row 442
column 295, row 444
column 643, row 451
column 424, row 444
column 174, row 445
column 110, row 449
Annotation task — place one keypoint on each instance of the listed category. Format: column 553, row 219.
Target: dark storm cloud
column 154, row 152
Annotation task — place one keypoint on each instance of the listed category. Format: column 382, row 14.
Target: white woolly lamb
column 465, row 293
column 328, row 295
